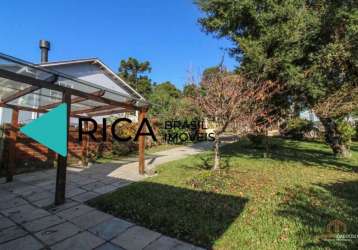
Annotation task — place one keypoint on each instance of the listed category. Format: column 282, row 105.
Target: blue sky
column 164, row 32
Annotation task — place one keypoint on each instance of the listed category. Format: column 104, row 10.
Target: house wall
column 5, row 115
column 30, row 154
column 24, row 116
column 91, row 73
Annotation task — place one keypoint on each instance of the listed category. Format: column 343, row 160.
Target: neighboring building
column 90, row 70
column 309, row 115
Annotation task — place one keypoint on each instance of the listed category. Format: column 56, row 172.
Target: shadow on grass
column 207, row 163
column 310, row 153
column 320, row 206
column 193, row 216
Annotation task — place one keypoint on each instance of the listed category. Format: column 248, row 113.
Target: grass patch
column 281, row 202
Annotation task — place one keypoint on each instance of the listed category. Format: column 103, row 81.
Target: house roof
column 34, row 88
column 105, row 69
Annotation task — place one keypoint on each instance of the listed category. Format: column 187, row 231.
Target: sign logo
column 50, row 129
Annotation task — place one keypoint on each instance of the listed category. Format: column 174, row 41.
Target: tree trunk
column 267, row 144
column 216, row 152
column 334, row 138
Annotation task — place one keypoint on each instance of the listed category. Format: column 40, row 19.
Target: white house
column 90, row 70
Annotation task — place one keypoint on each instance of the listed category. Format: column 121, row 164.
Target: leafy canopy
column 133, row 72
column 309, row 46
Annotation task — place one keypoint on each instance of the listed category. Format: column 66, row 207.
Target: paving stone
column 85, row 196
column 80, row 241
column 5, row 222
column 25, row 213
column 29, row 177
column 6, row 195
column 10, row 186
column 84, row 181
column 74, row 191
column 26, row 190
column 27, row 242
column 37, row 181
column 11, row 233
column 57, row 233
column 110, row 180
column 164, row 243
column 39, row 195
column 44, row 202
column 110, row 228
column 45, row 184
column 68, row 204
column 50, row 187
column 90, row 219
column 15, row 202
column 71, row 185
column 93, row 185
column 43, row 223
column 109, row 246
column 121, row 183
column 74, row 212
column 105, row 189
column 136, row 238
column 48, row 172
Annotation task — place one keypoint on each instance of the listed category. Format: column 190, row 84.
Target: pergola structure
column 28, row 87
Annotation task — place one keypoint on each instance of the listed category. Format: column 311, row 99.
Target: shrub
column 347, row 131
column 124, row 148
column 256, row 139
column 296, row 128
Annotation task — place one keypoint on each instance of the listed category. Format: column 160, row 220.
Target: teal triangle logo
column 50, row 129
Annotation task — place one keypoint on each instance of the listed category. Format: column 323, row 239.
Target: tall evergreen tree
column 308, row 46
column 133, row 71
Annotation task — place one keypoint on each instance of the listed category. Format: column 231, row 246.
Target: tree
column 169, row 104
column 309, row 47
column 331, row 110
column 189, row 90
column 168, row 88
column 225, row 97
column 133, row 72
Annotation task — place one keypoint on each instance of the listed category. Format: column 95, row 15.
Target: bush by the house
column 297, row 128
column 256, row 139
column 348, row 131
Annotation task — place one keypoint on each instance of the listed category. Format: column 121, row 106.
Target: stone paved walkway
column 27, row 220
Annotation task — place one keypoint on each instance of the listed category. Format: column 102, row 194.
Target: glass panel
column 38, row 98
column 91, row 103
column 22, row 68
column 9, row 87
column 18, row 66
column 79, row 106
column 76, row 85
column 116, row 97
column 110, row 111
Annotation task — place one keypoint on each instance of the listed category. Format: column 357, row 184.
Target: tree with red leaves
column 225, row 97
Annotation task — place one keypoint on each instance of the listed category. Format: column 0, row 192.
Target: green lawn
column 284, row 202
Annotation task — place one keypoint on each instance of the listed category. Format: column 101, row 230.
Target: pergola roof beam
column 73, row 100
column 20, row 93
column 26, row 91
column 44, row 84
column 37, row 110
column 110, row 112
column 90, row 110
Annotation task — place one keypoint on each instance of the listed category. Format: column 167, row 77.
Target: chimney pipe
column 44, row 47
